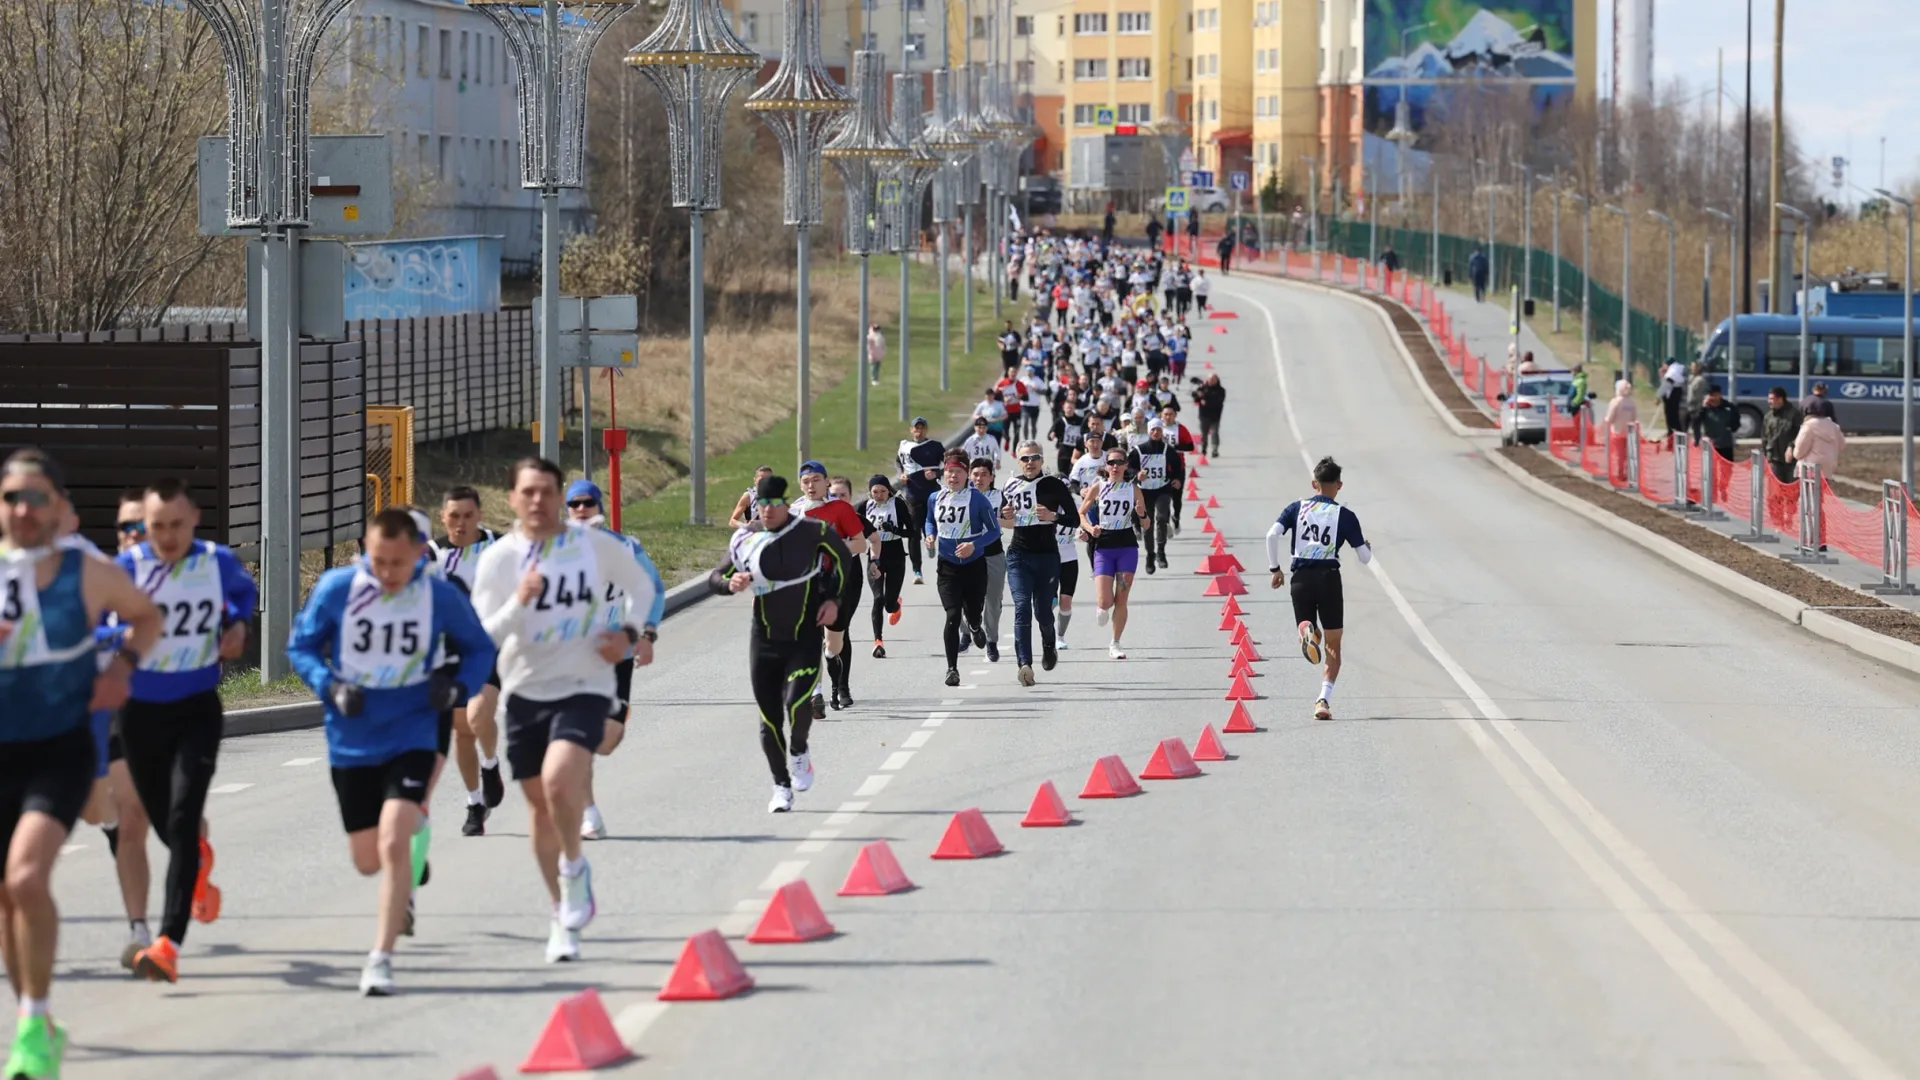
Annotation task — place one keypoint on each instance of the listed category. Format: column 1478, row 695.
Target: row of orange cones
column 580, row 1034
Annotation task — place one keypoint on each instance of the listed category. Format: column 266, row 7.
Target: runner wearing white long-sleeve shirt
column 550, row 594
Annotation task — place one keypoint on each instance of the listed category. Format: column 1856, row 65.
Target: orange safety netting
column 1732, row 484
column 1783, row 505
column 1656, row 470
column 1855, row 530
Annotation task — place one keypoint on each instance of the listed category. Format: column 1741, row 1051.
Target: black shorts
column 364, row 789
column 443, row 734
column 51, row 776
column 534, row 725
column 622, row 689
column 1069, row 577
column 1317, row 597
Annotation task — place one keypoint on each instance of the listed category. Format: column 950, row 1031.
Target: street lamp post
column 1402, row 133
column 552, row 56
column 1626, row 289
column 1313, row 210
column 1673, row 241
column 1433, row 246
column 1806, row 282
column 949, row 139
column 1586, row 277
column 1555, row 188
column 269, row 47
column 1526, row 230
column 866, row 156
column 803, row 106
column 1733, row 292
column 695, row 62
column 1906, row 351
column 914, row 172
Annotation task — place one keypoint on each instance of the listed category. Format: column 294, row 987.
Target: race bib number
column 384, row 636
column 570, row 602
column 190, row 601
column 1153, row 470
column 950, row 516
column 1021, row 497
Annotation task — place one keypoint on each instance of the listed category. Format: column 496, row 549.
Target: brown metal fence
column 462, row 374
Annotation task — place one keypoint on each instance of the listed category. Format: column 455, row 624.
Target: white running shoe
column 1114, row 650
column 592, row 827
column 1105, row 617
column 800, row 768
column 782, row 800
column 376, row 979
column 577, row 907
column 1060, row 642
column 563, row 945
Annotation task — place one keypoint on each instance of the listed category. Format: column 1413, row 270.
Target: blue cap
column 583, row 489
column 812, row 466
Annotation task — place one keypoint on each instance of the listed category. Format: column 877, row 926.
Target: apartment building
column 1342, row 98
column 1133, row 56
column 1285, row 90
column 437, row 78
column 1223, row 102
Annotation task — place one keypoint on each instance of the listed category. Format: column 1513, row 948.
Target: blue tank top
column 47, row 691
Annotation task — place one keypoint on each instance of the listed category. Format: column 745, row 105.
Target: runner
column 173, row 720
column 743, row 507
column 540, row 592
column 127, row 838
column 919, row 460
column 847, row 524
column 1067, row 537
column 52, row 595
column 1202, row 288
column 362, row 643
column 1036, row 506
column 960, row 525
column 476, row 738
column 1157, row 488
column 777, row 558
column 584, row 506
column 1319, row 525
column 980, row 472
column 886, row 515
column 1179, row 442
column 1109, row 512
column 981, row 445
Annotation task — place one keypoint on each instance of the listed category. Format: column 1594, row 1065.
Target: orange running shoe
column 893, row 617
column 206, row 895
column 158, row 962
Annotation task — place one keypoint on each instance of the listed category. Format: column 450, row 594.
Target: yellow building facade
column 1285, row 91
column 1132, row 56
column 1222, row 85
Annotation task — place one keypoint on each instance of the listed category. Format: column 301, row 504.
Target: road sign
column 1238, row 181
column 1202, row 178
column 1176, row 200
column 596, row 331
column 1187, row 160
column 1103, row 116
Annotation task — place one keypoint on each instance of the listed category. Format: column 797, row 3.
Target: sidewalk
column 1469, row 335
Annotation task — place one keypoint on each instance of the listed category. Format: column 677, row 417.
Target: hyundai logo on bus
column 1890, row 389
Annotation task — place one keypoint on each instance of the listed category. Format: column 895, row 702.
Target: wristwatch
column 650, row 634
column 1273, row 569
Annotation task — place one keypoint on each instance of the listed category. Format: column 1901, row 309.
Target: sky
column 1851, row 73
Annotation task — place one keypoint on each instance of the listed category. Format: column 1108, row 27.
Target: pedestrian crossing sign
column 889, row 192
column 1103, row 116
column 1176, row 200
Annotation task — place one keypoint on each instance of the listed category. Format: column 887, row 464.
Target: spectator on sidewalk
column 1622, row 413
column 1527, row 366
column 1718, row 422
column 1577, row 395
column 1153, row 232
column 1818, row 393
column 1106, row 229
column 1778, row 431
column 1225, row 250
column 1697, row 387
column 1477, row 274
column 1819, row 443
column 1193, row 234
column 876, row 352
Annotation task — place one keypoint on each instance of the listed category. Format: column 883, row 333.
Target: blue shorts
column 102, row 723
column 1114, row 561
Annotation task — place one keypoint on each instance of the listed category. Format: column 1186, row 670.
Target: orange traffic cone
column 792, row 916
column 578, row 1036
column 706, row 971
column 1110, row 779
column 1241, row 691
column 1170, row 761
column 1048, row 809
column 1240, row 722
column 1207, row 747
column 875, row 873
column 968, row 837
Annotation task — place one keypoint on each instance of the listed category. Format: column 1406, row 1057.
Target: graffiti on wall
column 401, row 279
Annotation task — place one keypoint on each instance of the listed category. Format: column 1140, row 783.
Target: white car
column 1207, row 200
column 1524, row 413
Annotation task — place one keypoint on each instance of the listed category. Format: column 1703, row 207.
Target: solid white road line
column 1755, row 1032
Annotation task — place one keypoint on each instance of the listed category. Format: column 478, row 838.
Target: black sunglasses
column 1116, row 461
column 30, row 497
column 133, row 528
column 581, row 504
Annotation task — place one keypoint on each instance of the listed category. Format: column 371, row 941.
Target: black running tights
column 172, row 748
column 784, row 675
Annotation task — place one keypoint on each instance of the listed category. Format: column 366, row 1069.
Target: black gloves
column 347, row 698
column 445, row 693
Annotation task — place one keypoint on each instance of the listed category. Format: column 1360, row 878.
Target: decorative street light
column 803, row 106
column 1586, row 278
column 912, row 176
column 967, row 96
column 1626, row 289
column 696, row 63
column 866, row 156
column 1906, row 349
column 948, row 138
column 1403, row 134
column 552, row 46
column 1673, row 242
column 1806, row 285
column 269, row 48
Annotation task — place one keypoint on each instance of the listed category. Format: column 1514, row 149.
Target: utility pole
column 1746, row 179
column 1906, row 347
column 1777, row 164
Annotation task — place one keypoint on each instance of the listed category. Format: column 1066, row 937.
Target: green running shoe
column 38, row 1046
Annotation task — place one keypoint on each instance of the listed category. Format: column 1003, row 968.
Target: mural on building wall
column 402, row 279
column 1467, row 46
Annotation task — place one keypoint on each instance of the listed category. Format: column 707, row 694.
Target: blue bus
column 1857, row 357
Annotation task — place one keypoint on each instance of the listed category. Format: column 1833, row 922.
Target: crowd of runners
column 520, row 647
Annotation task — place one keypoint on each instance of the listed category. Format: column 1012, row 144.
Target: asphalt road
column 1637, row 831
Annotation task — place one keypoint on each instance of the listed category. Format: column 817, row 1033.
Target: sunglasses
column 132, row 528
column 582, row 504
column 1031, row 457
column 769, row 502
column 1111, row 462
column 28, row 497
